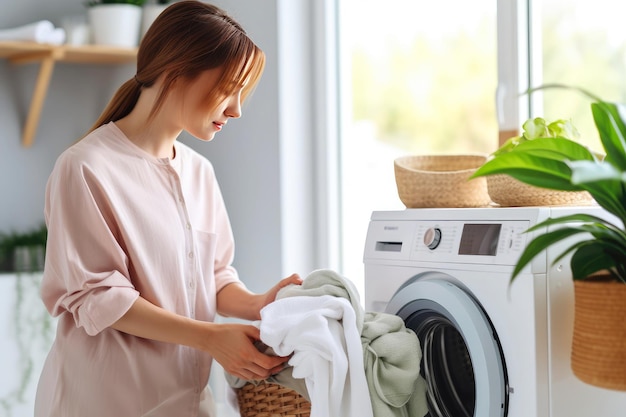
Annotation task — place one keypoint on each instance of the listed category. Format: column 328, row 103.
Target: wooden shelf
column 47, row 56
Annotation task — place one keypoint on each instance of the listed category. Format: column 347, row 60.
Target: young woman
column 140, row 247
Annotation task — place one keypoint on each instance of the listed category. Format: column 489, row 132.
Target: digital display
column 480, row 239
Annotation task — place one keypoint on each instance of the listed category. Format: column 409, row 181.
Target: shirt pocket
column 206, row 245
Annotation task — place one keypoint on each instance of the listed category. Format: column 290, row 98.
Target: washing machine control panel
column 455, row 241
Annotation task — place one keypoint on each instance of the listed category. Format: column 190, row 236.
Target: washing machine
column 490, row 347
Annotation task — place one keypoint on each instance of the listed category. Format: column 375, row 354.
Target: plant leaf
column 564, row 87
column 535, row 128
column 589, row 258
column 540, row 243
column 612, row 130
column 531, row 169
column 557, row 147
column 605, row 183
column 604, row 234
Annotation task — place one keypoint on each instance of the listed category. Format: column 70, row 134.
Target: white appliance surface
column 526, row 325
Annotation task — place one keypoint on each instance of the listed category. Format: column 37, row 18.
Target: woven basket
column 265, row 399
column 509, row 192
column 599, row 342
column 440, row 181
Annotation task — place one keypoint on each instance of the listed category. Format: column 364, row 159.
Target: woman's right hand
column 232, row 346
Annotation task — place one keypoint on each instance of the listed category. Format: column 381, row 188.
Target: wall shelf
column 47, row 56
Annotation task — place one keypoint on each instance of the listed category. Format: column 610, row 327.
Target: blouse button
column 188, row 226
column 190, row 255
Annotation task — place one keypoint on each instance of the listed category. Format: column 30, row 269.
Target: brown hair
column 186, row 39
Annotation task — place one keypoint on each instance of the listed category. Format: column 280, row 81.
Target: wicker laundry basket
column 265, row 399
column 509, row 192
column 441, row 181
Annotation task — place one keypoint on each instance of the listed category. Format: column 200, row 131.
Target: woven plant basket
column 599, row 342
column 266, row 399
column 440, row 181
column 509, row 192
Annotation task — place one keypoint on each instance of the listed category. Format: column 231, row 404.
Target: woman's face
column 197, row 116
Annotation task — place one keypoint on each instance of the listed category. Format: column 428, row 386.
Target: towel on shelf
column 42, row 31
column 320, row 333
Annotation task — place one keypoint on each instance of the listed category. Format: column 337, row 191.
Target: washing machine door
column 462, row 360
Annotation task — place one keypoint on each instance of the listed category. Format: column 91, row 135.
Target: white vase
column 150, row 13
column 115, row 24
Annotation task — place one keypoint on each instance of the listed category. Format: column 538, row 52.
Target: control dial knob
column 432, row 237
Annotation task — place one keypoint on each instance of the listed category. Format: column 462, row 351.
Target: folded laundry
column 42, row 31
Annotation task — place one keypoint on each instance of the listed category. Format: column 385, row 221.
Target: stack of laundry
column 342, row 355
column 40, row 32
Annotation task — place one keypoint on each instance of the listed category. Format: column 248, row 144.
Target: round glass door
column 462, row 361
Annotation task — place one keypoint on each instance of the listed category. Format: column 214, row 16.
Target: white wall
column 273, row 219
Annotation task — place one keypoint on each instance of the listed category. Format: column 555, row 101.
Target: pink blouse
column 122, row 223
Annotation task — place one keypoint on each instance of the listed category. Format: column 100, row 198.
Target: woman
column 140, row 247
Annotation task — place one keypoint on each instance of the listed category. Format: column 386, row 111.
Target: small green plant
column 560, row 163
column 538, row 127
column 10, row 243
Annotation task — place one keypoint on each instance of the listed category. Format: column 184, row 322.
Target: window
column 580, row 43
column 417, row 78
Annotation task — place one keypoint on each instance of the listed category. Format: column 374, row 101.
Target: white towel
column 42, row 31
column 322, row 335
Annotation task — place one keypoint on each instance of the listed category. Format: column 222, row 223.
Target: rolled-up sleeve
column 86, row 272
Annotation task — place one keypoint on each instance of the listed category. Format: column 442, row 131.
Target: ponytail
column 121, row 104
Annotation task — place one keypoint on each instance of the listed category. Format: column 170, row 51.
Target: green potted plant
column 115, row 22
column 23, row 252
column 598, row 258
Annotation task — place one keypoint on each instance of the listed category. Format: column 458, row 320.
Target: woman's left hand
column 270, row 296
column 236, row 301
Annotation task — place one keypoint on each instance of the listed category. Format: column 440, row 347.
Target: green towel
column 392, row 354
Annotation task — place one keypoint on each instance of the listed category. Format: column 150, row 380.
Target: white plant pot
column 150, row 13
column 115, row 24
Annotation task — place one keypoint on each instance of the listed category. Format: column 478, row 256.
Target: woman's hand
column 235, row 300
column 231, row 345
column 270, row 296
